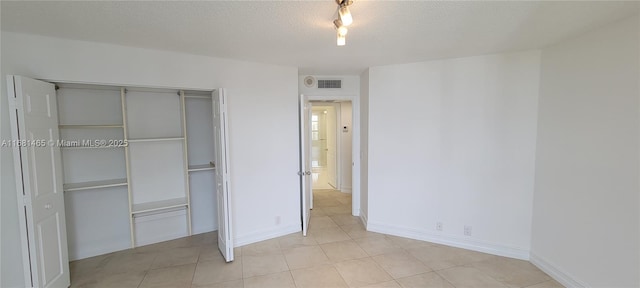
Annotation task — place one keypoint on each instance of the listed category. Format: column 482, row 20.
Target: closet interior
column 138, row 166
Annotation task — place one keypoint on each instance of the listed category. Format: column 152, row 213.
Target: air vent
column 309, row 81
column 324, row 84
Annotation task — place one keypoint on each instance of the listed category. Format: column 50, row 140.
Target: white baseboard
column 203, row 229
column 86, row 253
column 450, row 240
column 355, row 212
column 363, row 218
column 266, row 234
column 345, row 190
column 161, row 238
column 562, row 277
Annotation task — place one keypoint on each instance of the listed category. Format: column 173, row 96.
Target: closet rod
column 143, row 90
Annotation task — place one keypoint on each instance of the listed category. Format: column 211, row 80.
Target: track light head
column 344, row 2
column 345, row 15
column 342, row 40
column 342, row 31
column 344, row 19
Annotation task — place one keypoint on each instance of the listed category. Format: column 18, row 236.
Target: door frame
column 355, row 144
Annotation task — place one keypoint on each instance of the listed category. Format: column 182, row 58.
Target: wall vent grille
column 324, row 84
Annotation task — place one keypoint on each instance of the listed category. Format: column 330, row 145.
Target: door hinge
column 13, row 103
column 26, row 201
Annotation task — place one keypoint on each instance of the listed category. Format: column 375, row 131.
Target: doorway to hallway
column 347, row 161
column 331, row 145
column 324, row 154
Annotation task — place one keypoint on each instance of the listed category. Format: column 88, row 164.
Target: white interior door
column 305, row 162
column 332, row 148
column 34, row 119
column 221, row 142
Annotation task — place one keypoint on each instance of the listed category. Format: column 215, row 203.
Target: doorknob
column 308, row 172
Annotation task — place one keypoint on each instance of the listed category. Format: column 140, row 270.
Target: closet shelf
column 90, row 147
column 89, row 126
column 94, row 185
column 159, row 205
column 204, row 167
column 155, row 139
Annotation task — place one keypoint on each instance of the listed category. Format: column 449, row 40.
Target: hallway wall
column 364, row 148
column 345, row 146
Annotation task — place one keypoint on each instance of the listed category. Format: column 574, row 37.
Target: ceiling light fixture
column 341, row 40
column 345, row 15
column 344, row 19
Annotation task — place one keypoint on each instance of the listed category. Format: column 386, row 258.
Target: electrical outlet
column 439, row 226
column 467, row 230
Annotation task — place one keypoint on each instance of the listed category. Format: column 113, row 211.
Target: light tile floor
column 338, row 252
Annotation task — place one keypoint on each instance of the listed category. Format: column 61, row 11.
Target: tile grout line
column 443, row 278
column 193, row 277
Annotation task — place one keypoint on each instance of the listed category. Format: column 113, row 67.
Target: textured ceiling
column 301, row 34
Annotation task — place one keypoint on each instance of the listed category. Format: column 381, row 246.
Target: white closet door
column 221, row 142
column 38, row 165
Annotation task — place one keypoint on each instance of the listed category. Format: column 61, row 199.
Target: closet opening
column 117, row 168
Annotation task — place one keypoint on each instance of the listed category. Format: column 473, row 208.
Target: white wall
column 364, row 146
column 255, row 91
column 586, row 210
column 453, row 141
column 11, row 261
column 345, row 146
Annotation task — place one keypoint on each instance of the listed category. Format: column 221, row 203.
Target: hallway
column 320, row 179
